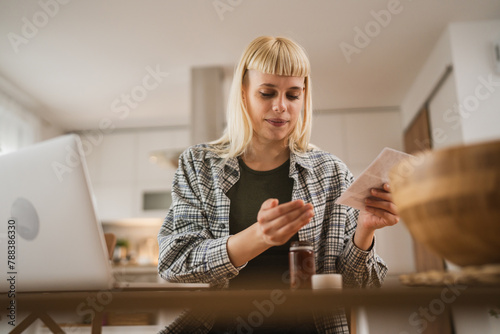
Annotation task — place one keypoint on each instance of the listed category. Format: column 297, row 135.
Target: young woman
column 239, row 201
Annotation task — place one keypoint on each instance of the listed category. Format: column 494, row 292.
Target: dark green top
column 269, row 269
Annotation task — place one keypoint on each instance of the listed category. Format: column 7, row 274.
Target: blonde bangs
column 279, row 56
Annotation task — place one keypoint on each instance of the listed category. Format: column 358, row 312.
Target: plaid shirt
column 193, row 237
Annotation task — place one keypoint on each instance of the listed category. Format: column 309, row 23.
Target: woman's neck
column 265, row 157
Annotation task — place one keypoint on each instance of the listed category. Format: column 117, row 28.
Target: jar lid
column 301, row 245
column 326, row 281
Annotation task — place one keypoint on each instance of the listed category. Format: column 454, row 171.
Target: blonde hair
column 271, row 55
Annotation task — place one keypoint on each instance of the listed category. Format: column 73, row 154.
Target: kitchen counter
column 235, row 300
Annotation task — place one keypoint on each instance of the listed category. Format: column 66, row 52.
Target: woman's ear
column 243, row 93
column 244, row 83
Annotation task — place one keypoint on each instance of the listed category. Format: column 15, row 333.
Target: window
column 18, row 127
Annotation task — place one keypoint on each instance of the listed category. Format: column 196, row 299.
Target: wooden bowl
column 450, row 201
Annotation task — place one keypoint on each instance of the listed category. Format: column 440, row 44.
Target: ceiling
column 85, row 61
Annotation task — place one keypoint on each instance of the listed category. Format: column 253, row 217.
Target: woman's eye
column 270, row 95
column 267, row 95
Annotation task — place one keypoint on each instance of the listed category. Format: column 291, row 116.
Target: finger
column 293, row 216
column 283, row 234
column 382, row 204
column 271, row 226
column 381, row 194
column 279, row 210
column 269, row 203
column 389, row 218
column 293, row 226
column 273, row 202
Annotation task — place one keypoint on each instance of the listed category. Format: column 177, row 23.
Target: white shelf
column 136, row 222
column 136, row 269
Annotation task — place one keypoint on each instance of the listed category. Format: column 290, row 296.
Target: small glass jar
column 302, row 264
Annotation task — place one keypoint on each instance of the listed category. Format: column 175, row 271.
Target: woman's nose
column 279, row 104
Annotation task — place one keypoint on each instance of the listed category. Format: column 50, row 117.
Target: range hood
column 209, row 93
column 208, row 101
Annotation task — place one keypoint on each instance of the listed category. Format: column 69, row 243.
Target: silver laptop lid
column 46, row 202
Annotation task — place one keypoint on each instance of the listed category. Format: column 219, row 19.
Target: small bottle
column 302, row 264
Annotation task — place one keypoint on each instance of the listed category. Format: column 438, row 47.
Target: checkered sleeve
column 188, row 250
column 359, row 268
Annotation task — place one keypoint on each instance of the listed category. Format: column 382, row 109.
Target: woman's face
column 274, row 104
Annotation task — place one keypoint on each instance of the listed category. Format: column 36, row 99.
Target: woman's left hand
column 380, row 211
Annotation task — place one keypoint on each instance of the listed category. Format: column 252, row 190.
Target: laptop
column 50, row 237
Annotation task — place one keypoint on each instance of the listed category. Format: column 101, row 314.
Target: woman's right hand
column 276, row 224
column 279, row 222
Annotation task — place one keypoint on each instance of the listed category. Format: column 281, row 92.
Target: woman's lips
column 277, row 121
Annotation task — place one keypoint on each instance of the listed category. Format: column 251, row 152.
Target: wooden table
column 97, row 302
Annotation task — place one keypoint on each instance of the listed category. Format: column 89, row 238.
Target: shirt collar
column 229, row 167
column 301, row 159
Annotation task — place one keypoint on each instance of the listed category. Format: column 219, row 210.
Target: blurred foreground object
column 450, row 201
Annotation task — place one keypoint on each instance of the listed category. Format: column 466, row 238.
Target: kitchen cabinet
column 123, row 175
column 368, row 133
column 357, row 136
column 328, row 133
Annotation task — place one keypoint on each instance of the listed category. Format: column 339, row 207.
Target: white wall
column 21, row 123
column 18, row 127
column 471, row 319
column 474, row 115
column 429, row 76
column 478, row 84
column 446, row 125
